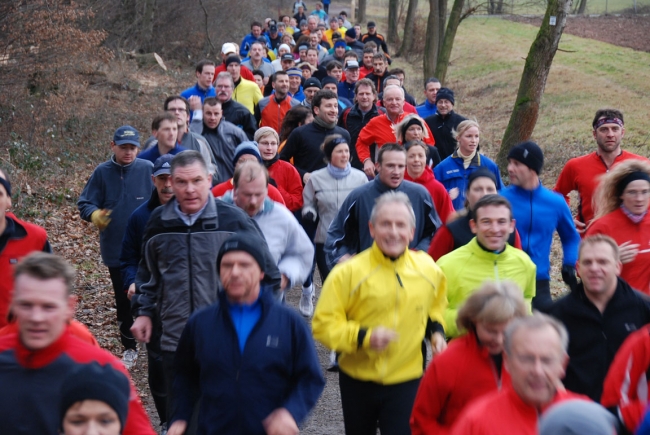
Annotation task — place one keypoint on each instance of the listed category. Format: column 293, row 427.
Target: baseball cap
column 287, row 56
column 273, row 28
column 351, row 64
column 228, row 47
column 371, row 24
column 126, row 135
column 163, row 165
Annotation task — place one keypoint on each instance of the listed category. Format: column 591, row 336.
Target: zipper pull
column 399, row 280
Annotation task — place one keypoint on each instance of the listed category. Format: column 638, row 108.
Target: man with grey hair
column 233, row 112
column 178, row 271
column 535, row 357
column 375, row 309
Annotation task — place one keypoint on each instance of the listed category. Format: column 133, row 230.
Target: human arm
column 309, row 206
column 343, row 233
column 296, row 261
column 196, row 124
column 186, row 384
column 429, row 406
column 568, row 235
column 291, row 188
column 365, row 139
column 441, row 244
column 131, row 249
column 291, row 147
column 248, row 124
column 148, row 278
column 431, row 222
column 92, row 197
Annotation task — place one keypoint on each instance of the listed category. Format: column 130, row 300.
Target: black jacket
column 441, row 128
column 236, row 113
column 594, row 338
column 353, row 120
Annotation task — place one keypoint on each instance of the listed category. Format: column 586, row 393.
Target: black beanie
column 445, row 94
column 528, row 153
column 96, row 382
column 234, row 58
column 248, row 243
column 481, row 172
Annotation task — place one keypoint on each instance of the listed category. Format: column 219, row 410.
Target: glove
column 101, row 219
column 309, row 217
column 569, row 276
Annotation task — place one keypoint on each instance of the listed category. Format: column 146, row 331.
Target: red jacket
column 626, row 385
column 438, row 193
column 75, row 328
column 462, row 373
column 582, row 174
column 621, row 228
column 408, row 107
column 379, row 130
column 289, row 184
column 270, row 113
column 503, row 413
column 26, row 238
column 31, row 384
column 221, row 189
column 244, row 72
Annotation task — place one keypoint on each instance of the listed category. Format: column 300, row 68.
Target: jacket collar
column 36, row 359
column 482, row 254
column 381, row 187
column 209, row 212
column 385, row 261
column 425, row 178
column 476, row 160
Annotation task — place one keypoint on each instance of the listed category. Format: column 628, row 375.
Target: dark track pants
column 542, row 299
column 123, row 305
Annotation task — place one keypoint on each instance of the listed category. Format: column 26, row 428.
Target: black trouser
column 310, row 230
column 367, row 405
column 321, row 261
column 542, row 299
column 157, row 383
column 168, row 373
column 123, row 305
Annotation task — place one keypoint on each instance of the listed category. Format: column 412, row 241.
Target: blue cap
column 126, row 135
column 163, row 165
column 340, row 43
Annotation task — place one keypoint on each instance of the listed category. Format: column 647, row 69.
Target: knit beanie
column 445, row 94
column 528, row 153
column 248, row 147
column 234, row 58
column 480, row 173
column 312, row 82
column 96, row 382
column 248, row 243
column 328, row 147
column 327, row 80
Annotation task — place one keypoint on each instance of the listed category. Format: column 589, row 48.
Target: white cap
column 228, row 47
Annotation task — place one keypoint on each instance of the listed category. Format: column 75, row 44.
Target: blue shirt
column 244, row 318
column 426, row 109
column 153, row 153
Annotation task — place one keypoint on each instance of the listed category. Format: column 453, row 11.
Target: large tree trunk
column 393, row 10
column 431, row 45
column 407, row 40
column 362, row 12
column 533, row 79
column 581, row 7
column 448, row 42
column 442, row 19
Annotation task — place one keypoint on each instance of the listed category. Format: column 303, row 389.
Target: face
column 352, row 75
column 365, row 97
column 520, row 174
column 256, row 31
column 340, row 155
column 478, row 189
column 286, row 64
column 191, row 185
column 314, row 39
column 224, row 90
column 91, row 417
column 294, row 83
column 42, row 308
column 430, row 92
column 281, row 85
column 636, row 196
column 357, row 29
column 212, row 115
column 536, row 364
column 379, row 66
column 259, row 80
column 167, row 133
column 249, row 195
column 293, row 22
column 367, row 60
column 393, row 101
column 491, row 336
column 468, row 141
column 310, row 92
column 312, row 24
column 256, row 52
column 286, row 20
column 371, row 30
column 414, row 132
column 205, row 77
column 392, row 229
column 268, row 146
column 492, row 226
column 416, row 161
column 163, row 184
column 598, row 268
column 391, row 169
column 5, row 202
column 312, row 57
column 334, row 25
column 124, row 154
column 339, row 51
column 444, row 107
column 306, row 73
column 241, row 276
column 337, row 73
column 235, row 70
column 328, row 110
column 331, row 87
column 179, row 109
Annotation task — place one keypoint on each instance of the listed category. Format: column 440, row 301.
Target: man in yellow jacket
column 375, row 309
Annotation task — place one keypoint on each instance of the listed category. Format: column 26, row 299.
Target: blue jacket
column 248, row 40
column 539, row 213
column 426, row 109
column 277, row 368
column 120, row 189
column 346, row 90
column 196, row 90
column 153, row 153
column 451, row 173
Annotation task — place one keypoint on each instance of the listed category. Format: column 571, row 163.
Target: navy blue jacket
column 278, row 368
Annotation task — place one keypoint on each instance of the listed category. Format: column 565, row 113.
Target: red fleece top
column 243, row 71
column 289, row 183
column 221, row 189
column 438, row 193
column 582, row 174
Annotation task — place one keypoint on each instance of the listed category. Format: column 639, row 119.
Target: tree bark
column 407, row 40
column 431, row 44
column 362, row 12
column 533, row 79
column 442, row 18
column 448, row 42
column 582, row 6
column 393, row 9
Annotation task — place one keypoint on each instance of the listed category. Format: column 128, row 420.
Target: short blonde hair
column 463, row 127
column 493, row 302
column 265, row 131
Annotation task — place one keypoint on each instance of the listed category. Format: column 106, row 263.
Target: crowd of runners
column 302, row 149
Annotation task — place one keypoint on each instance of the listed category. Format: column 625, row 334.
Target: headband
column 602, row 121
column 337, row 141
column 633, row 176
column 7, row 185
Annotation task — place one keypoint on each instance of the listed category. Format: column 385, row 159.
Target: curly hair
column 608, row 195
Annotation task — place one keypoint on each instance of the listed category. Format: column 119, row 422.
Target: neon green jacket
column 469, row 266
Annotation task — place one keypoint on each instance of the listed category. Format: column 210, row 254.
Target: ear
column 593, row 132
column 261, row 276
column 472, row 226
column 377, row 165
column 619, row 267
column 372, row 230
column 512, row 226
column 72, row 306
column 622, row 131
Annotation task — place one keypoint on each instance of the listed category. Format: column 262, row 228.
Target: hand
column 284, row 281
column 438, row 343
column 280, row 422
column 453, row 193
column 569, row 276
column 628, row 251
column 344, row 257
column 141, row 329
column 369, row 168
column 581, row 227
column 177, row 428
column 306, row 177
column 195, row 103
column 100, row 218
column 381, row 337
column 131, row 291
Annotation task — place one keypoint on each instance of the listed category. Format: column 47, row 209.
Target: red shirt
column 582, row 174
column 621, row 228
column 221, row 189
column 244, row 72
column 438, row 193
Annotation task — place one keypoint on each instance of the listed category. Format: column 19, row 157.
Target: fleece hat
column 247, row 147
column 126, row 135
column 248, row 243
column 528, row 153
column 340, row 43
column 481, row 172
column 327, row 80
column 351, row 33
column 312, row 82
column 297, row 72
column 7, row 184
column 445, row 94
column 233, row 59
column 96, row 382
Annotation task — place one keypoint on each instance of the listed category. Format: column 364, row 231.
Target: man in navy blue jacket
column 248, row 361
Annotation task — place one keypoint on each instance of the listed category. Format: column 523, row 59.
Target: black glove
column 309, row 217
column 569, row 276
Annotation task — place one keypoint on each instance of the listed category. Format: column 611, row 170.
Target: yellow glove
column 101, row 219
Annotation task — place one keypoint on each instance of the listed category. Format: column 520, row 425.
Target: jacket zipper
column 191, row 278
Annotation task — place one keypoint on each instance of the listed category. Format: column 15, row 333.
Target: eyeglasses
column 634, row 193
column 176, row 109
column 273, row 144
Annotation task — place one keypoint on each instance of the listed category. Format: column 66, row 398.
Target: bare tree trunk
column 533, row 79
column 582, row 6
column 393, row 7
column 407, row 40
column 362, row 12
column 448, row 42
column 442, row 18
column 432, row 39
column 499, row 10
column 148, row 8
